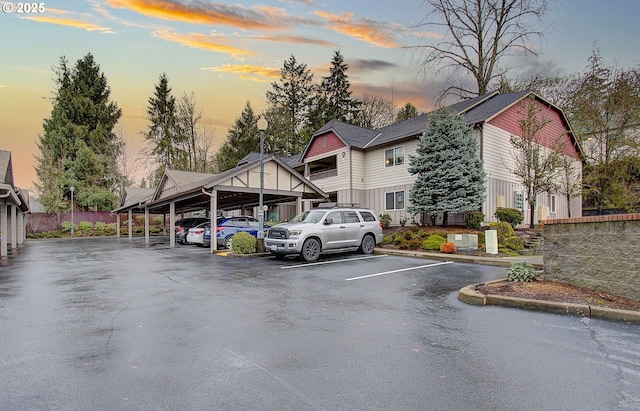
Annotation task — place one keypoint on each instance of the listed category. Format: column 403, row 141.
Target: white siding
column 498, row 154
column 378, row 176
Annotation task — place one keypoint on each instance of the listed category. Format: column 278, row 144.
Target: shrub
column 522, row 272
column 243, row 243
column 401, row 243
column 100, row 226
column 110, row 229
column 387, row 239
column 433, row 242
column 85, row 226
column 140, row 219
column 481, row 238
column 514, row 243
column 474, row 219
column 512, row 216
column 414, row 244
column 403, row 221
column 408, row 235
column 448, row 248
column 504, row 231
column 157, row 220
column 385, row 220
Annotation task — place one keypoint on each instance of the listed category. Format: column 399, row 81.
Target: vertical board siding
column 324, row 144
column 554, row 130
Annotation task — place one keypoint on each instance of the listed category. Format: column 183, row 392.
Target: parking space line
column 397, row 271
column 332, row 261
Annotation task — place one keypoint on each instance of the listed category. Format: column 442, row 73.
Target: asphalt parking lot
column 112, row 324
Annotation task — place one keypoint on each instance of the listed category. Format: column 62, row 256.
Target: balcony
column 323, row 174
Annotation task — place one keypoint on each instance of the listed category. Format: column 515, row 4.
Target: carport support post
column 146, row 225
column 3, row 230
column 118, row 224
column 14, row 227
column 130, row 224
column 213, row 215
column 172, row 224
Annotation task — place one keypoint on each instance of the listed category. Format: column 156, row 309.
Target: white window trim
column 394, row 156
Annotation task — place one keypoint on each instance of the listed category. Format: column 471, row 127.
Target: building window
column 394, row 157
column 552, row 203
column 394, row 200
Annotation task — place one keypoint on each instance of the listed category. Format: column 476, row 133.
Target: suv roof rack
column 337, row 205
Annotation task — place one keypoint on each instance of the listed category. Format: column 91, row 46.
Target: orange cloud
column 292, row 39
column 71, row 23
column 207, row 13
column 200, row 41
column 245, row 69
column 364, row 29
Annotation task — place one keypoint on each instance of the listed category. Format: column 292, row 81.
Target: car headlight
column 295, row 233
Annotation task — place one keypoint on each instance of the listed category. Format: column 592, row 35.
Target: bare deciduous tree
column 481, row 35
column 535, row 163
column 376, row 111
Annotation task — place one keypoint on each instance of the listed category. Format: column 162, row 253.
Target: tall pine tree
column 291, row 99
column 163, row 135
column 334, row 100
column 242, row 139
column 79, row 147
column 450, row 177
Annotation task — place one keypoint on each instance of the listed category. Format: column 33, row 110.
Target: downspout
column 351, row 177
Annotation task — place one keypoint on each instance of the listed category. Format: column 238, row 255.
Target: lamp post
column 262, row 126
column 72, row 189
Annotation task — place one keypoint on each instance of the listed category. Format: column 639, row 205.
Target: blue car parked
column 228, row 226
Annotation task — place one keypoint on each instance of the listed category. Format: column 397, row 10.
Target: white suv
column 325, row 230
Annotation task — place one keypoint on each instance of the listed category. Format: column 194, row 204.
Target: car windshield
column 310, row 217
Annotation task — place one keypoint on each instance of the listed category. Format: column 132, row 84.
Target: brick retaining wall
column 599, row 252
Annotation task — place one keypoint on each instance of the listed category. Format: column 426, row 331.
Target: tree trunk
column 445, row 218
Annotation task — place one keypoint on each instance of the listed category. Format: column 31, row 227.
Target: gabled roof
column 6, row 169
column 135, row 196
column 351, row 136
column 493, row 106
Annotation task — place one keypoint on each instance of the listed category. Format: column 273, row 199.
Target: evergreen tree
column 407, row 112
column 163, row 136
column 292, row 97
column 450, row 176
column 242, row 139
column 335, row 102
column 79, row 147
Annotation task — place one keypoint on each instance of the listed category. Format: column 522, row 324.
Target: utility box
column 491, row 241
column 464, row 241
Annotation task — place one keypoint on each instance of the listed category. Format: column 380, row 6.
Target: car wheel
column 310, row 250
column 368, row 244
column 227, row 242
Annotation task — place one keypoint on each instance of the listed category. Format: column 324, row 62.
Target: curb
column 469, row 295
column 470, row 259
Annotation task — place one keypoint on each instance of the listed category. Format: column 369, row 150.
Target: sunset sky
column 228, row 53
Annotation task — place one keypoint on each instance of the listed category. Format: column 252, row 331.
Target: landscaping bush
column 85, row 226
column 433, row 242
column 100, row 226
column 408, row 235
column 414, row 244
column 243, row 243
column 504, row 231
column 474, row 219
column 385, row 220
column 448, row 248
column 110, row 229
column 522, row 272
column 387, row 239
column 512, row 216
column 514, row 242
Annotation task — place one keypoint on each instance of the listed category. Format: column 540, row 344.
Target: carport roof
column 237, row 187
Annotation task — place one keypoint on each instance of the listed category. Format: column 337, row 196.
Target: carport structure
column 238, row 188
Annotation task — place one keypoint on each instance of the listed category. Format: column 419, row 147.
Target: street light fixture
column 262, row 126
column 72, row 189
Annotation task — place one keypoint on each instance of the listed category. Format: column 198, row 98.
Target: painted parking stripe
column 397, row 271
column 332, row 261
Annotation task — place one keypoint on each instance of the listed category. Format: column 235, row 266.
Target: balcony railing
column 323, row 174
